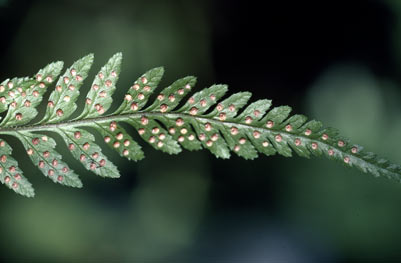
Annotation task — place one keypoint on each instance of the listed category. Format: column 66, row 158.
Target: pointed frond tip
column 205, row 120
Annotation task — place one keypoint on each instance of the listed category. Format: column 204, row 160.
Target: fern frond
column 204, row 121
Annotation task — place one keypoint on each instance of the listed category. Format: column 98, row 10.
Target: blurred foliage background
column 338, row 61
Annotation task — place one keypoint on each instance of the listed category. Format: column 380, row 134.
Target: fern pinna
column 163, row 124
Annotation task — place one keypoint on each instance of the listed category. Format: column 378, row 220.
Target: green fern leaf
column 62, row 100
column 11, row 175
column 28, row 94
column 40, row 149
column 140, row 92
column 118, row 139
column 99, row 99
column 83, row 147
column 204, row 121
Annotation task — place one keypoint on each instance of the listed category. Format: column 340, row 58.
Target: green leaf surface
column 11, row 174
column 139, row 93
column 154, row 134
column 27, row 94
column 203, row 121
column 83, row 147
column 118, row 139
column 99, row 99
column 201, row 101
column 228, row 108
column 170, row 97
column 182, row 132
column 61, row 102
column 40, row 149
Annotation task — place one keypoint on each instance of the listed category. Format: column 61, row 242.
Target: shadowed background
column 339, row 62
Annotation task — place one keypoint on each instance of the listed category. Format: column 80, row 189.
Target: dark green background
column 336, row 61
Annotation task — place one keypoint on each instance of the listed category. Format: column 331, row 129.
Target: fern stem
column 122, row 117
column 202, row 119
column 136, row 115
